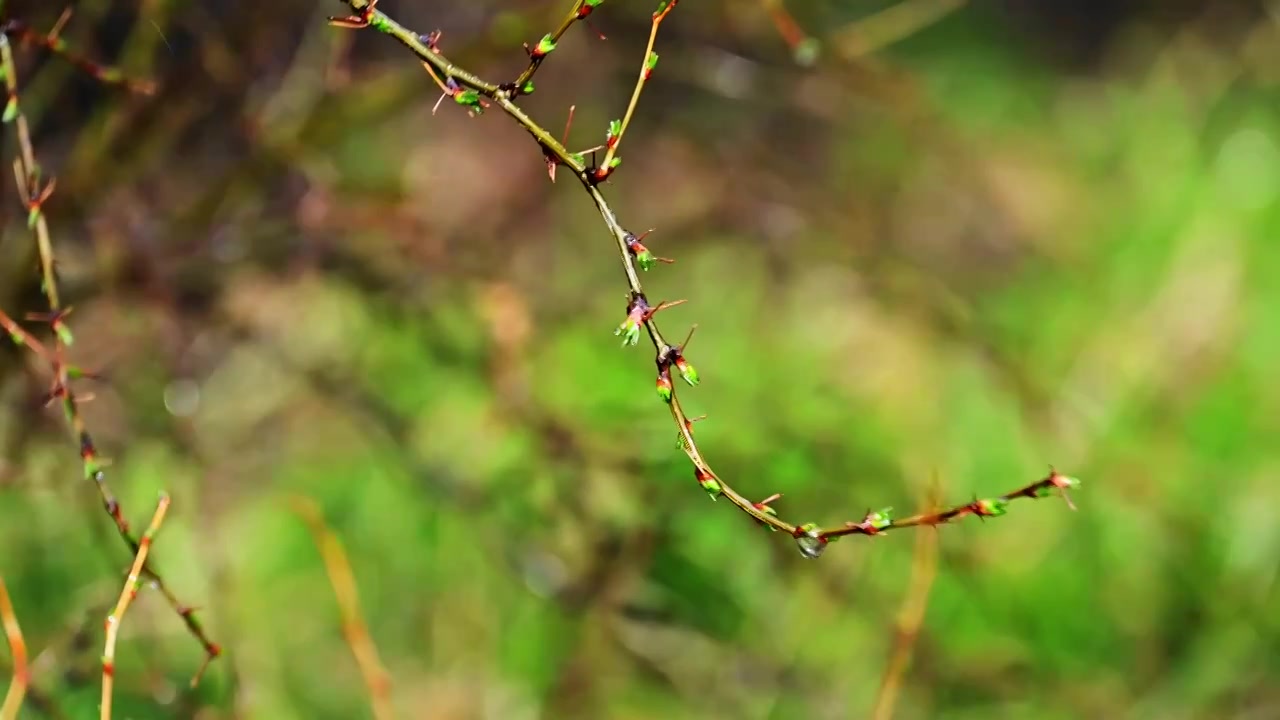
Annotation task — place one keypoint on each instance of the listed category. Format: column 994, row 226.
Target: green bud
column 880, row 519
column 645, row 260
column 629, row 331
column 687, row 371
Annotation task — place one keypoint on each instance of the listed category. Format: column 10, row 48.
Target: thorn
column 594, row 29
column 682, row 346
column 664, row 305
column 432, row 40
column 564, row 139
column 356, row 22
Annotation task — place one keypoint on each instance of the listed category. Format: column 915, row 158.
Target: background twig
column 34, row 192
column 376, row 677
column 924, row 568
column 811, row 538
column 18, row 650
column 127, row 594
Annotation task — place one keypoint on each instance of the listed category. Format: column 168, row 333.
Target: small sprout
column 469, row 99
column 764, row 507
column 638, row 313
column 10, row 110
column 675, row 355
column 644, row 257
column 1063, row 482
column 708, row 482
column 630, row 328
column 75, row 372
column 879, row 519
column 612, row 134
column 544, row 47
column 650, row 63
column 687, row 370
column 989, row 508
column 527, row 88
column 664, row 384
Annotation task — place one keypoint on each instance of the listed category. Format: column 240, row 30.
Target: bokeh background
column 965, row 243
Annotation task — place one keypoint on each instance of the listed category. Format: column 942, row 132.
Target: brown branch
column 34, row 193
column 127, row 594
column 17, row 649
column 810, row 537
column 376, row 678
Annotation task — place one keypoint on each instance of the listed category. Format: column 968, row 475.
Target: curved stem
column 811, row 537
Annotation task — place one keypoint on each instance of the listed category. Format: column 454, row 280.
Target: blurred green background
column 1014, row 235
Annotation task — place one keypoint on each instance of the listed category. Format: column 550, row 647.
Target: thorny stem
column 127, row 594
column 34, row 194
column 811, row 538
column 18, row 650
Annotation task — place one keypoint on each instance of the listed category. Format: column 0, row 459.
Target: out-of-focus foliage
column 1001, row 242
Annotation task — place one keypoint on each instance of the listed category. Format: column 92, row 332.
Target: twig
column 34, row 193
column 924, row 568
column 127, row 595
column 376, row 678
column 18, row 649
column 53, row 43
column 863, row 36
column 647, row 65
column 580, row 10
column 810, row 537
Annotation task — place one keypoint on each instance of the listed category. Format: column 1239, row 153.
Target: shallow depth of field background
column 1018, row 236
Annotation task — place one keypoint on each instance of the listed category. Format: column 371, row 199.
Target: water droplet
column 811, row 545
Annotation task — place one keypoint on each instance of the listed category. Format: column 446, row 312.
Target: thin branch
column 17, row 649
column 647, row 65
column 127, row 595
column 580, row 10
column 924, row 568
column 34, row 193
column 22, row 338
column 54, row 44
column 376, row 678
column 811, row 538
